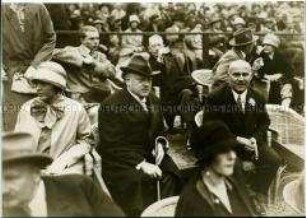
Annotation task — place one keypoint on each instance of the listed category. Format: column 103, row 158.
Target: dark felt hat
column 138, row 65
column 242, row 37
column 212, row 138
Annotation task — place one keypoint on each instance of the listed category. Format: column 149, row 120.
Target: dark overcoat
column 127, row 134
column 197, row 201
column 254, row 122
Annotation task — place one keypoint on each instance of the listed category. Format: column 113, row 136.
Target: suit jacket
column 127, row 136
column 76, row 195
column 197, row 201
column 127, row 132
column 254, row 122
column 172, row 79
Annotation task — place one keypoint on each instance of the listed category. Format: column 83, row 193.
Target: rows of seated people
column 82, row 109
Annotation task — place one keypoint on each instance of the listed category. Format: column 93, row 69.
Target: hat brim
column 50, row 82
column 127, row 70
column 232, row 42
column 40, row 160
column 205, row 154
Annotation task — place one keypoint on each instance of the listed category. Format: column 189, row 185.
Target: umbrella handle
column 163, row 140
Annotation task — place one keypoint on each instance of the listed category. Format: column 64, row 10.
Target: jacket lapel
column 250, row 107
column 130, row 100
column 232, row 102
column 205, row 194
column 243, row 196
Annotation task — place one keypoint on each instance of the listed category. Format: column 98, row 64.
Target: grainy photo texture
column 153, row 109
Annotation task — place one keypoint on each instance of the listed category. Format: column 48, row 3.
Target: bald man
column 243, row 110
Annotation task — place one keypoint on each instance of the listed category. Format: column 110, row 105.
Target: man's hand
column 160, row 153
column 249, row 144
column 88, row 60
column 257, row 64
column 151, row 170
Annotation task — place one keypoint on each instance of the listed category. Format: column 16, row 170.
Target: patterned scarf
column 47, row 114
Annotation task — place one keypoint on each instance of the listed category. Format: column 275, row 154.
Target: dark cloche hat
column 212, row 138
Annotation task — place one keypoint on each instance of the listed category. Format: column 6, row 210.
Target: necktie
column 143, row 103
column 239, row 103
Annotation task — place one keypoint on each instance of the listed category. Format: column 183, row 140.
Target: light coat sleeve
column 68, row 55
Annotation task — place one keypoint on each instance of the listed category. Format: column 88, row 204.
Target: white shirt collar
column 38, row 205
column 271, row 56
column 142, row 102
column 242, row 97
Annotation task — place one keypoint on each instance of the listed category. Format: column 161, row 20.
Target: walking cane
column 158, row 182
column 161, row 140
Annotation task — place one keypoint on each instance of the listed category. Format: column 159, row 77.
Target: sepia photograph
column 152, row 109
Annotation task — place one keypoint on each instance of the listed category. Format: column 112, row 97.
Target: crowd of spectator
column 284, row 17
column 97, row 85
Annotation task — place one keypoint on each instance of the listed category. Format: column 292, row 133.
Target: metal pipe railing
column 177, row 33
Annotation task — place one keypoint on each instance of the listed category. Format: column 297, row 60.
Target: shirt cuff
column 138, row 166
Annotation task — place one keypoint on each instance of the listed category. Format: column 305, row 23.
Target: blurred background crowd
column 286, row 17
column 218, row 20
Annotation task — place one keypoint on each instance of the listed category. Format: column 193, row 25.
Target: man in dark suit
column 26, row 193
column 243, row 110
column 176, row 86
column 129, row 126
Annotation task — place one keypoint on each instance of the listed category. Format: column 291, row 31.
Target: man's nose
column 240, row 77
column 146, row 82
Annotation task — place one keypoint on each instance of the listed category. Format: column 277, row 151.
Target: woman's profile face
column 224, row 163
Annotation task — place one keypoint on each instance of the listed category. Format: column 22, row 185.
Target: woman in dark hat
column 213, row 192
